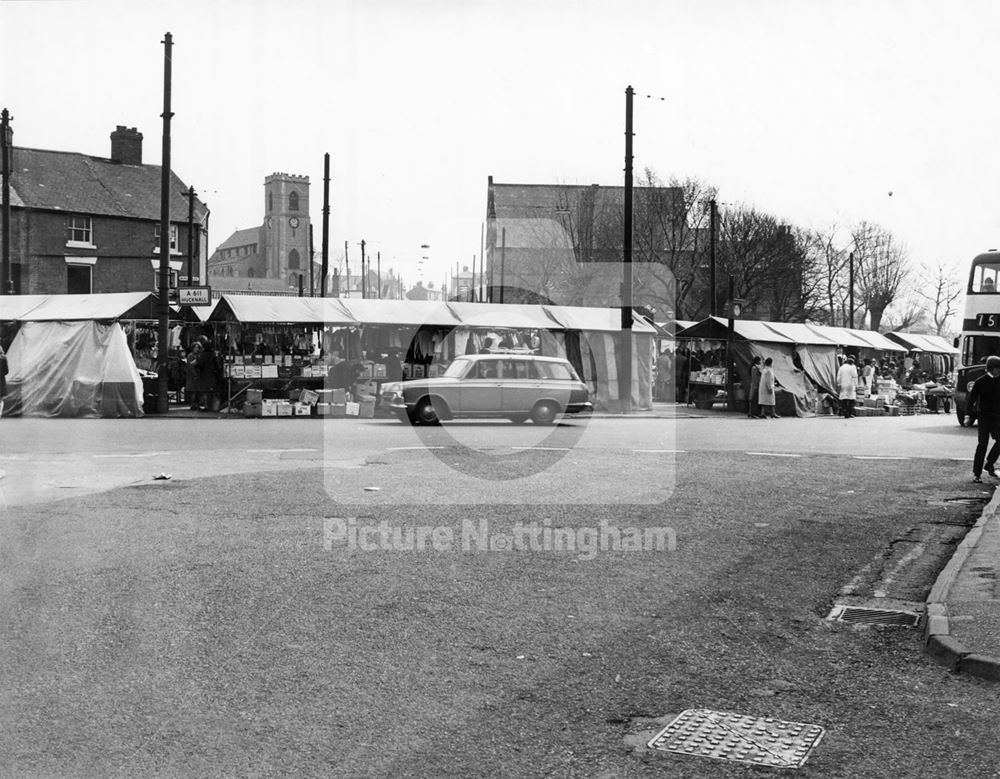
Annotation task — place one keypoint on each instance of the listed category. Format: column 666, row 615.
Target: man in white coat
column 847, row 384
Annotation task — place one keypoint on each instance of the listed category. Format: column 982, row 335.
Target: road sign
column 194, row 296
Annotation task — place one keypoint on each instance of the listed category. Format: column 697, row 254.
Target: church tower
column 286, row 228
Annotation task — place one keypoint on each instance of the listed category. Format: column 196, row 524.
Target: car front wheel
column 544, row 413
column 425, row 413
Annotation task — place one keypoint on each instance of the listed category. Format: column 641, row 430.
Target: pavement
column 962, row 628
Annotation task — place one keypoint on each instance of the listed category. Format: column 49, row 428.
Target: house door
column 78, row 279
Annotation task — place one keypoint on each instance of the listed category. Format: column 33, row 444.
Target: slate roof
column 249, row 236
column 82, row 184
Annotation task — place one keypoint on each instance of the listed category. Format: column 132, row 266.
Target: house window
column 293, row 259
column 79, row 279
column 173, row 239
column 172, row 279
column 81, row 231
column 293, row 201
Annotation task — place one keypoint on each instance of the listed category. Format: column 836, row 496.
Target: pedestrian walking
column 208, row 376
column 984, row 401
column 766, row 394
column 847, row 384
column 753, row 401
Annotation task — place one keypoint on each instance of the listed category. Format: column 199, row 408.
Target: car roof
column 508, row 355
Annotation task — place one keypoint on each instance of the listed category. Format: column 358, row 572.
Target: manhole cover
column 724, row 735
column 865, row 616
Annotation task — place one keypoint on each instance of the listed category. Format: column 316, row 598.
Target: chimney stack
column 126, row 146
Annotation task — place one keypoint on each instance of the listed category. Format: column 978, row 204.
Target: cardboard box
column 252, row 371
column 253, row 410
column 331, row 409
column 369, row 388
column 353, row 409
column 302, row 410
column 379, row 370
column 287, row 360
column 238, row 371
column 367, row 370
column 366, row 409
column 284, row 409
column 308, row 397
column 269, row 410
column 268, row 359
column 255, row 396
column 238, row 359
column 417, row 372
column 332, row 395
column 269, row 371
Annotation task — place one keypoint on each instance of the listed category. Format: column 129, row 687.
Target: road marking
column 877, row 457
column 660, row 451
column 410, row 448
column 136, row 454
column 278, row 451
column 774, row 454
column 546, row 448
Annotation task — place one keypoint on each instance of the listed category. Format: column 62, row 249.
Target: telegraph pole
column 713, row 298
column 325, row 270
column 6, row 138
column 850, row 293
column 163, row 333
column 347, row 267
column 190, row 196
column 378, row 276
column 364, row 272
column 503, row 258
column 625, row 380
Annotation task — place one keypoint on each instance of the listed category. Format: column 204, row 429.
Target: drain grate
column 724, row 735
column 860, row 615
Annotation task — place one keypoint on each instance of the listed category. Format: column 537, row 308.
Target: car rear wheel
column 544, row 413
column 425, row 413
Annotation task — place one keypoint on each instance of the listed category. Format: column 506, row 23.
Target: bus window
column 985, row 279
column 978, row 347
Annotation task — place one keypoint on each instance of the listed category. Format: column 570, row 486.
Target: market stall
column 930, row 353
column 71, row 356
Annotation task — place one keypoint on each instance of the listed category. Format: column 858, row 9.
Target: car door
column 521, row 385
column 479, row 392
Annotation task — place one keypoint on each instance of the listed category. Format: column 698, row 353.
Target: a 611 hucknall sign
column 194, row 296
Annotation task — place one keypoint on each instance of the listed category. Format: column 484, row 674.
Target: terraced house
column 82, row 224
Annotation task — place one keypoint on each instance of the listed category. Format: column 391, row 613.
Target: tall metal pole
column 190, row 196
column 482, row 261
column 625, row 380
column 325, row 270
column 713, row 296
column 850, row 292
column 312, row 264
column 378, row 276
column 347, row 268
column 503, row 258
column 6, row 270
column 364, row 272
column 730, row 332
column 163, row 332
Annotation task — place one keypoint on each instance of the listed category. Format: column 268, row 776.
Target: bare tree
column 880, row 269
column 941, row 290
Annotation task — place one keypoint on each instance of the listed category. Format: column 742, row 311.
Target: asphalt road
column 261, row 613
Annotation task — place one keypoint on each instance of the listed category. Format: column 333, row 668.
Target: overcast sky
column 811, row 110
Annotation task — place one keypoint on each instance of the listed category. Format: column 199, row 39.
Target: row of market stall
column 84, row 355
column 805, row 359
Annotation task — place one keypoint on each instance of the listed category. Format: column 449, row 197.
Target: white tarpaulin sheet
column 72, row 369
column 401, row 312
column 107, row 306
column 282, row 309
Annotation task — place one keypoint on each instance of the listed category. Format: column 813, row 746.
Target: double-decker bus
column 980, row 327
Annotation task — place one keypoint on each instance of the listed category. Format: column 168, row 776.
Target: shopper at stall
column 753, row 396
column 208, row 376
column 847, row 384
column 984, row 401
column 766, row 393
column 191, row 375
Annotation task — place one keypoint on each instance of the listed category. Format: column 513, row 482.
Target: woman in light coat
column 766, row 392
column 847, row 384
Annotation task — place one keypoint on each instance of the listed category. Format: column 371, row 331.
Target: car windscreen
column 457, row 368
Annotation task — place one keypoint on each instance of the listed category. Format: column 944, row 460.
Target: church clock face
column 293, row 222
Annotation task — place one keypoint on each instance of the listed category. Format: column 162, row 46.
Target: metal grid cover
column 727, row 736
column 869, row 616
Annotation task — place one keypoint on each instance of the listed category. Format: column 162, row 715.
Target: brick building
column 82, row 224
